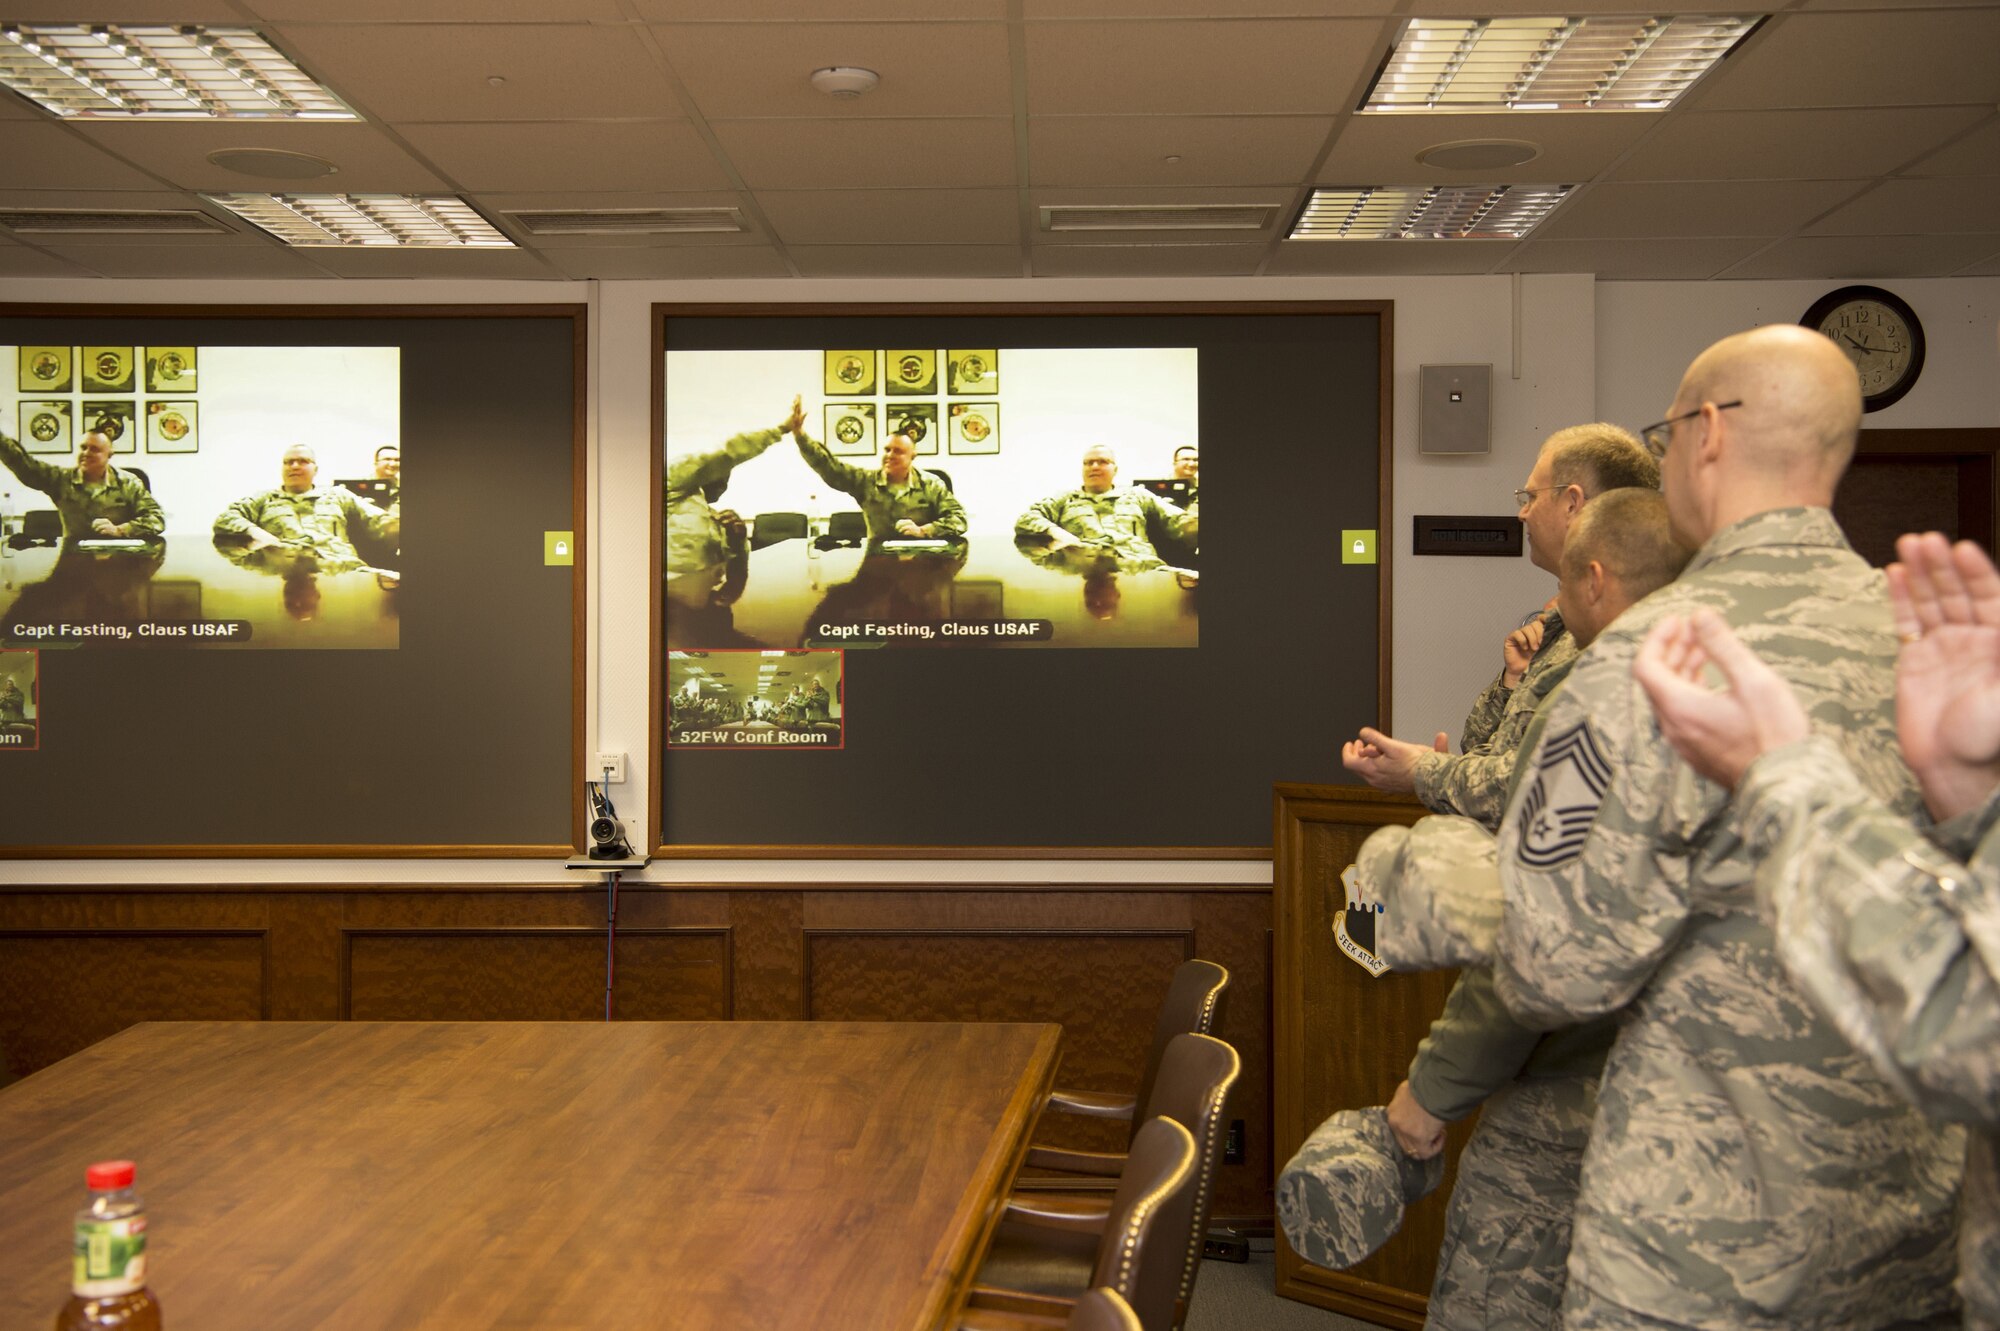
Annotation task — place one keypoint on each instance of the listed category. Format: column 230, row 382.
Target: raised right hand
column 1519, row 648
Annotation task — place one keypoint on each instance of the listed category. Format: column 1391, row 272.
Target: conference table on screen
column 788, row 594
column 287, row 600
column 502, row 1176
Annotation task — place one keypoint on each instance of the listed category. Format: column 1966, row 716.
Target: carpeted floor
column 1233, row 1297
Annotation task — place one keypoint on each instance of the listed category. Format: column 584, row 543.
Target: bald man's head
column 1621, row 549
column 1801, row 397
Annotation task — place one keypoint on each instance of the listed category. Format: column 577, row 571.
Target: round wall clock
column 1879, row 333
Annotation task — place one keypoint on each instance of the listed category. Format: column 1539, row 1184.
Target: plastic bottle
column 108, row 1282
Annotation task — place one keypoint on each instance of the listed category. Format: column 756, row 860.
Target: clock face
column 1879, row 334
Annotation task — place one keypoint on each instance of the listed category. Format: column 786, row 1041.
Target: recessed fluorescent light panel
column 108, row 71
column 1603, row 63
column 368, row 220
column 1423, row 212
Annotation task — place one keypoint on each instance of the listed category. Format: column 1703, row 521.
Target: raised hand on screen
column 797, row 420
column 1720, row 733
column 1946, row 600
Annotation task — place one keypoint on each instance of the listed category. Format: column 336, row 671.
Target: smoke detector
column 845, row 81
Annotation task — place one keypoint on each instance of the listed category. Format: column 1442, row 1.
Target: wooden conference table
column 365, row 1175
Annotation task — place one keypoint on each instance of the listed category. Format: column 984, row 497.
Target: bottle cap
column 108, row 1174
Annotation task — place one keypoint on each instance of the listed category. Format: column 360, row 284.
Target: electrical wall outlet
column 1232, row 1145
column 611, row 762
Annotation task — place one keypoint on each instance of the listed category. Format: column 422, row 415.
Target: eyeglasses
column 1658, row 436
column 1521, row 497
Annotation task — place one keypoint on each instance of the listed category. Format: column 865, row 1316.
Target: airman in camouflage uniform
column 1891, row 928
column 1747, row 1169
column 898, row 499
column 94, row 497
column 1574, row 466
column 696, row 537
column 305, row 519
column 1122, row 522
column 13, row 705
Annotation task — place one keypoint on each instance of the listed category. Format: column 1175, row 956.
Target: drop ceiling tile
column 603, row 156
column 660, row 264
column 13, row 106
column 927, row 69
column 1282, row 201
column 1147, row 260
column 1863, row 257
column 1089, row 9
column 432, row 11
column 893, row 217
column 466, row 265
column 1705, row 208
column 1989, row 267
column 1977, row 154
column 48, row 156
column 1213, row 150
column 816, row 11
column 1791, row 145
column 369, row 161
column 1388, row 257
column 21, row 261
column 1906, row 57
column 907, row 260
column 439, row 72
column 1382, row 149
column 1223, row 66
column 1911, row 207
column 218, row 263
column 869, row 154
column 1649, row 260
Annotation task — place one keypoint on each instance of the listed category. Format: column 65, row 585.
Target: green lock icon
column 1357, row 547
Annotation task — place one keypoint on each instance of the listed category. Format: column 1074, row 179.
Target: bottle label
column 110, row 1257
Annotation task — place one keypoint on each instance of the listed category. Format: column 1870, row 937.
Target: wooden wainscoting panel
column 1343, row 1039
column 64, row 991
column 534, row 975
column 305, row 956
column 1104, row 988
column 768, row 955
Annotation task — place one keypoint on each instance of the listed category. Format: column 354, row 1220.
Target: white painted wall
column 1586, row 351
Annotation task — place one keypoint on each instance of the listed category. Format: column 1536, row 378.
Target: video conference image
column 908, row 497
column 200, row 496
column 757, row 700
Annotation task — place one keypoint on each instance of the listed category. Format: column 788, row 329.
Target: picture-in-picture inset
column 756, row 700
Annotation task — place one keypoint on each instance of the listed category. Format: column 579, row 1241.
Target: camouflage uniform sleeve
column 838, row 474
column 950, row 520
column 1894, row 940
column 1178, row 523
column 1439, row 890
column 32, row 471
column 1474, row 1048
column 358, row 511
column 1485, row 714
column 241, row 516
column 1593, row 900
column 1477, row 783
column 147, row 520
column 693, row 471
column 1041, row 518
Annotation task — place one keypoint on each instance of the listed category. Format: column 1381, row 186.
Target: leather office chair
column 1197, row 1077
column 1103, row 1310
column 942, row 475
column 39, row 526
column 770, row 528
column 1193, row 1003
column 849, row 528
column 1131, row 1259
column 144, row 479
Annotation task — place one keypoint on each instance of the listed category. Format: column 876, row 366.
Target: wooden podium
column 1344, row 1039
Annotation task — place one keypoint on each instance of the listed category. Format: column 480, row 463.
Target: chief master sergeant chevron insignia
column 1562, row 801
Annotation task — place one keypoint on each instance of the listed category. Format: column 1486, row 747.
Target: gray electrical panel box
column 1454, row 408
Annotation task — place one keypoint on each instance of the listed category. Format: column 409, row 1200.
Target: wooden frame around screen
column 579, row 521
column 1384, row 314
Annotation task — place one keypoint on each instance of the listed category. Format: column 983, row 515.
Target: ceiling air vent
column 1160, row 217
column 629, row 221
column 84, row 222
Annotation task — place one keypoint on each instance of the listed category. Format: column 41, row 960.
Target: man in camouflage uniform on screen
column 900, row 500
column 1120, row 521
column 1507, row 1230
column 1747, row 1169
column 1892, row 928
column 1574, row 467
column 95, row 498
column 699, row 535
column 300, row 518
